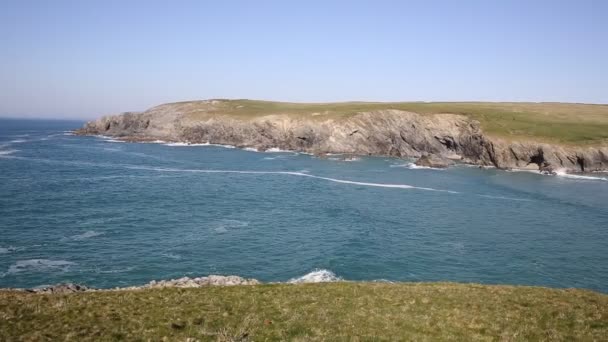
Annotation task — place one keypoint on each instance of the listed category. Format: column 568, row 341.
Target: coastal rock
column 383, row 133
column 211, row 280
column 433, row 161
column 61, row 289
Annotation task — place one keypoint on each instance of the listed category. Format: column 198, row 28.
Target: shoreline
column 371, row 130
column 212, row 280
column 353, row 156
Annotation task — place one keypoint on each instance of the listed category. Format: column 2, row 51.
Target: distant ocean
column 104, row 213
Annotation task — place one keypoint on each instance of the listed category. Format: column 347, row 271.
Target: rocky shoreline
column 395, row 133
column 185, row 282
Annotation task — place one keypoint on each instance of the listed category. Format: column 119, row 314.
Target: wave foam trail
column 506, row 198
column 316, row 276
column 7, row 152
column 413, row 166
column 294, row 173
column 564, row 174
column 277, row 150
column 40, row 265
column 17, row 141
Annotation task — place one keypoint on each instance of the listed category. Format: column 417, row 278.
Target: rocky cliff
column 382, row 132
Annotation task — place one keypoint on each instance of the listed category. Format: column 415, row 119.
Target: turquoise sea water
column 105, row 213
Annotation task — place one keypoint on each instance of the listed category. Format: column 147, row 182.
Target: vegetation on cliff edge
column 567, row 123
column 328, row 311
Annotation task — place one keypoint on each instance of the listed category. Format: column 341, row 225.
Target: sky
column 83, row 59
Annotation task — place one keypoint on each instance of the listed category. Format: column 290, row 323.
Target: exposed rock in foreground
column 383, row 132
column 185, row 282
column 61, row 289
column 212, row 280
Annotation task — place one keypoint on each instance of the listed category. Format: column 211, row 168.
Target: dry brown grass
column 336, row 311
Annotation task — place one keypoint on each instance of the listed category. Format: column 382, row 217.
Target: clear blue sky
column 87, row 58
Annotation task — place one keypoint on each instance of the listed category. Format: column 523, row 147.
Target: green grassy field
column 331, row 311
column 567, row 123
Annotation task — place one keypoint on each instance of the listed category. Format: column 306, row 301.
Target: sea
column 105, row 213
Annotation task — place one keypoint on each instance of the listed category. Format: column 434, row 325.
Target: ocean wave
column 86, row 235
column 186, row 144
column 345, row 159
column 293, row 173
column 115, row 270
column 413, row 166
column 171, row 256
column 564, row 174
column 17, row 141
column 223, row 226
column 7, row 152
column 9, row 249
column 276, row 150
column 505, row 198
column 40, row 265
column 316, row 276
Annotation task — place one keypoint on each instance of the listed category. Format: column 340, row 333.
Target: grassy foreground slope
column 567, row 123
column 330, row 311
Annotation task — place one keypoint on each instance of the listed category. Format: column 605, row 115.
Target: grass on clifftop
column 332, row 311
column 568, row 123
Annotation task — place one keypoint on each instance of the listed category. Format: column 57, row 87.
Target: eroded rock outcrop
column 433, row 161
column 384, row 132
column 211, row 280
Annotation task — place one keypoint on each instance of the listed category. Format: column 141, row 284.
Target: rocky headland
column 437, row 137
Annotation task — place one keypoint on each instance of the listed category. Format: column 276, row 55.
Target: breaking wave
column 7, row 152
column 413, row 166
column 561, row 173
column 316, row 276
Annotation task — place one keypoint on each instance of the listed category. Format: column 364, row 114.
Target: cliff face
column 384, row 132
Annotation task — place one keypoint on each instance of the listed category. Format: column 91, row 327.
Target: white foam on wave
column 276, row 150
column 250, row 149
column 413, row 166
column 86, row 235
column 316, row 276
column 293, row 173
column 115, row 270
column 505, row 198
column 564, row 174
column 40, row 265
column 17, row 141
column 7, row 152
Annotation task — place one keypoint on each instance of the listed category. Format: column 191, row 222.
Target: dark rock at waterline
column 61, row 288
column 434, row 161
